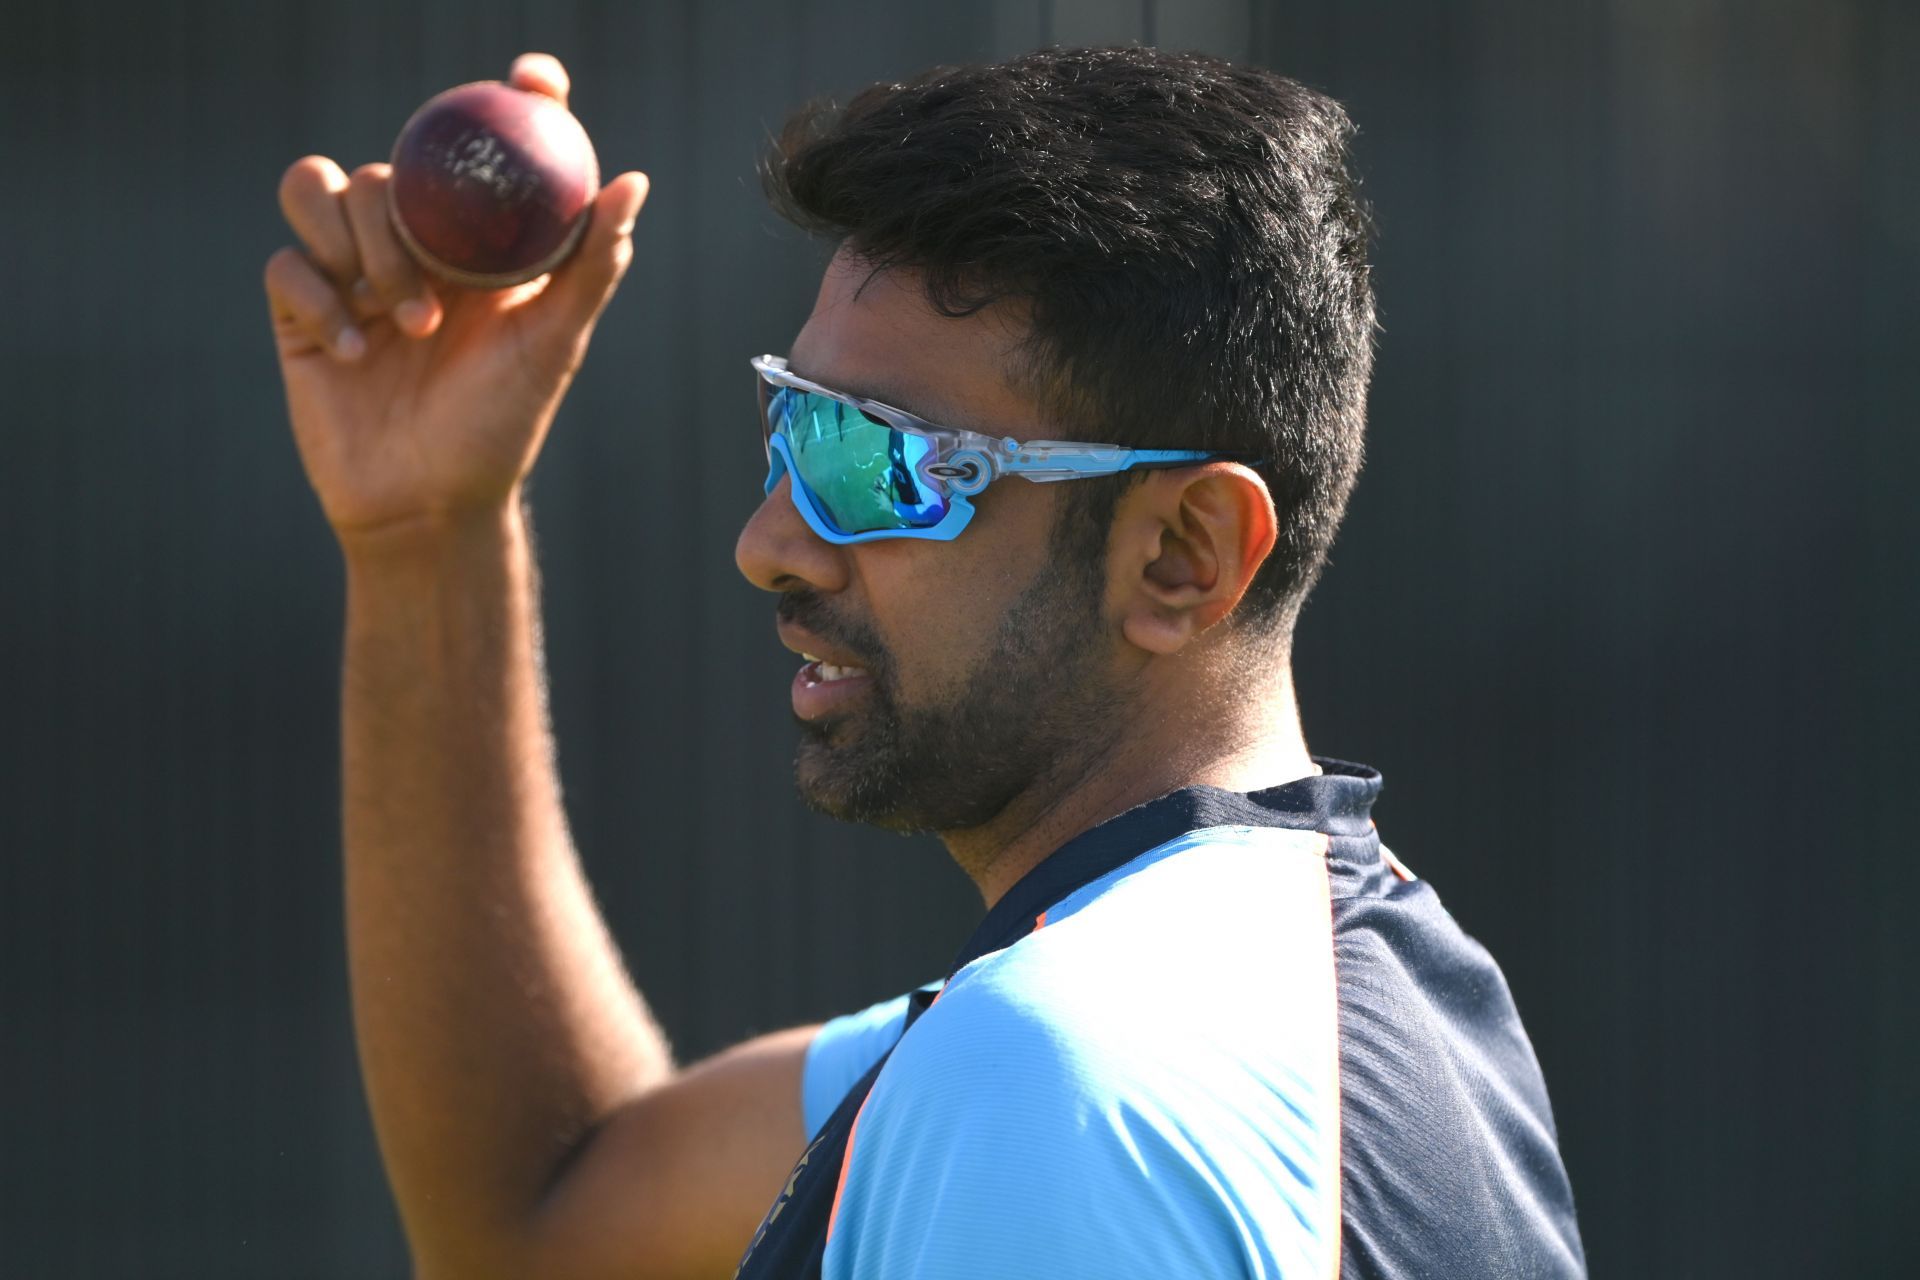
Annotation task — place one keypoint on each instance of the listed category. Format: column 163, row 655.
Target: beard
column 1037, row 705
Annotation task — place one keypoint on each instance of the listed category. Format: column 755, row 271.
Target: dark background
column 1625, row 608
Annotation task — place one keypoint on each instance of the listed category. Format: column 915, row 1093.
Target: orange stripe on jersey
column 853, row 1131
column 846, row 1163
column 1398, row 867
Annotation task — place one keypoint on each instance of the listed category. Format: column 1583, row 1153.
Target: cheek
column 939, row 606
column 935, row 621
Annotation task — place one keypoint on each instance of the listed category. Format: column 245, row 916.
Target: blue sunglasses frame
column 959, row 465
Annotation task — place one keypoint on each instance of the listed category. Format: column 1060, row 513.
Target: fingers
column 308, row 314
column 342, row 224
column 384, row 262
column 541, row 73
column 581, row 288
column 310, row 194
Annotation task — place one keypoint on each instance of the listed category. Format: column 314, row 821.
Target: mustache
column 806, row 609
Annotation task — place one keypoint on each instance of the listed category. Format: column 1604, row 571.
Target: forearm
column 495, row 1022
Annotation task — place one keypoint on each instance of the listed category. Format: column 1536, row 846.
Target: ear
column 1186, row 544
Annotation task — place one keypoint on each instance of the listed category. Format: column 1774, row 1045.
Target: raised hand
column 412, row 400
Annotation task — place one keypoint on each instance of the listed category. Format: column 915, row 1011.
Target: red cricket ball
column 492, row 185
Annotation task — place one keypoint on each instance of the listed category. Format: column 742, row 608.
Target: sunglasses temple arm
column 1045, row 461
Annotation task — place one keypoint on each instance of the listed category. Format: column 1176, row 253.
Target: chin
column 833, row 780
column 814, row 777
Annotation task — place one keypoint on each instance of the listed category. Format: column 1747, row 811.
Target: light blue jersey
column 1092, row 1100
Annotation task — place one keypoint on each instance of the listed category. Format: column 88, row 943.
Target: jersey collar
column 1337, row 801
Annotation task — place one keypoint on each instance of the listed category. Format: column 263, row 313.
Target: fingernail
column 350, row 343
column 412, row 315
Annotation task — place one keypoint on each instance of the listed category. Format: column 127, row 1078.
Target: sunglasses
column 863, row 470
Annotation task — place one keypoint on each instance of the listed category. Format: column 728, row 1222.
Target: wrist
column 434, row 539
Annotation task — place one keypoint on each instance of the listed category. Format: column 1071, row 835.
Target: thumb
column 582, row 286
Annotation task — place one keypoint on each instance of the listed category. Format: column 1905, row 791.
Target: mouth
column 820, row 671
column 829, row 678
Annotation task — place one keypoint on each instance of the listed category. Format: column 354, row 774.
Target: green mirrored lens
column 862, row 476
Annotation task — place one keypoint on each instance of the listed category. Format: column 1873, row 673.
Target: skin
column 531, row 1117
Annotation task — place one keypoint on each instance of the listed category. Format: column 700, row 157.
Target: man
column 1208, row 1026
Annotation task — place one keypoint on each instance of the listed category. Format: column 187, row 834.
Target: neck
column 1238, row 741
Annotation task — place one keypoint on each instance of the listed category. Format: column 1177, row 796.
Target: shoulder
column 1181, row 966
column 1200, row 963
column 1096, row 1099
column 842, row 1051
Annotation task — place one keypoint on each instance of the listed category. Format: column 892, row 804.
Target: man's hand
column 414, row 400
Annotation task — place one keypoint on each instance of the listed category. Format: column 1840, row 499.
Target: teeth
column 830, row 672
column 811, row 657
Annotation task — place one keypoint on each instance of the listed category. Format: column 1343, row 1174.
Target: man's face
column 984, row 663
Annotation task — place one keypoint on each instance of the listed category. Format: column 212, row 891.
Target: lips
column 816, row 649
column 830, row 678
column 821, row 688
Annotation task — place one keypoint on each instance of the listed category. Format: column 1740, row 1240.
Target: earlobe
column 1160, row 631
column 1197, row 538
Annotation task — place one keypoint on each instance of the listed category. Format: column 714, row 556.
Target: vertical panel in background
column 1220, row 27
column 1091, row 22
column 1020, row 25
column 1883, row 613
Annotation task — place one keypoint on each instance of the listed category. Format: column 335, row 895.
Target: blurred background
column 1625, row 609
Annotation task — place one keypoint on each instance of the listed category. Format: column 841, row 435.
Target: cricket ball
column 492, row 186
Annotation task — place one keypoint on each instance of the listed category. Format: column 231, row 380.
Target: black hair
column 1183, row 234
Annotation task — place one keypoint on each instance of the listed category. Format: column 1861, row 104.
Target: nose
column 778, row 552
